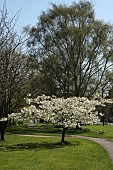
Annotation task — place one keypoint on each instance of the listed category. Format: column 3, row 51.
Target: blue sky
column 31, row 9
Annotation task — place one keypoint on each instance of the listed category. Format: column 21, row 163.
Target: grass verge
column 29, row 153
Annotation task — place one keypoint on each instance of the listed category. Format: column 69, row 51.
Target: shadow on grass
column 44, row 128
column 34, row 130
column 37, row 146
column 77, row 131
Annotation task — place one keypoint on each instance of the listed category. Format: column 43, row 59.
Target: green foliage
column 73, row 49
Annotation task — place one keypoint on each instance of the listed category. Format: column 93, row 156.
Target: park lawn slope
column 97, row 131
column 29, row 153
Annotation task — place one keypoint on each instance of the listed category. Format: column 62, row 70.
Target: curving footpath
column 108, row 146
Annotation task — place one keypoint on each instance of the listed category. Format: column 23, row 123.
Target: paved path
column 108, row 146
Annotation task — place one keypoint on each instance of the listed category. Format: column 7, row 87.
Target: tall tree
column 73, row 48
column 12, row 67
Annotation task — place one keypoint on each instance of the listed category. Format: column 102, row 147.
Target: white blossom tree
column 61, row 112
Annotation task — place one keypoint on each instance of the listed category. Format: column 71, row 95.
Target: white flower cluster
column 3, row 119
column 16, row 118
column 61, row 112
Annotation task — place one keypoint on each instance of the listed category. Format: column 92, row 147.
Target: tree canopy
column 74, row 50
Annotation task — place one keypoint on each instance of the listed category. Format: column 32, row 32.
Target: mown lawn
column 31, row 153
column 48, row 129
column 98, row 131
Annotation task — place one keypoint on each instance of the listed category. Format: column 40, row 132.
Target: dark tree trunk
column 2, row 135
column 3, row 125
column 63, row 134
column 103, row 119
column 103, row 123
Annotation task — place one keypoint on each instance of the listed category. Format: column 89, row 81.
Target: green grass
column 40, row 129
column 49, row 129
column 46, row 153
column 97, row 131
column 29, row 153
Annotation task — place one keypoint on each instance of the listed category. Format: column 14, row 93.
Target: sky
column 31, row 9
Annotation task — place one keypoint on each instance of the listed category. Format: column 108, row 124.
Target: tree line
column 68, row 53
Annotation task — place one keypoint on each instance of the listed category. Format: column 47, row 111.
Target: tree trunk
column 3, row 126
column 2, row 135
column 103, row 119
column 63, row 134
column 103, row 122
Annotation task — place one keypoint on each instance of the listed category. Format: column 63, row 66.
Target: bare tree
column 12, row 66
